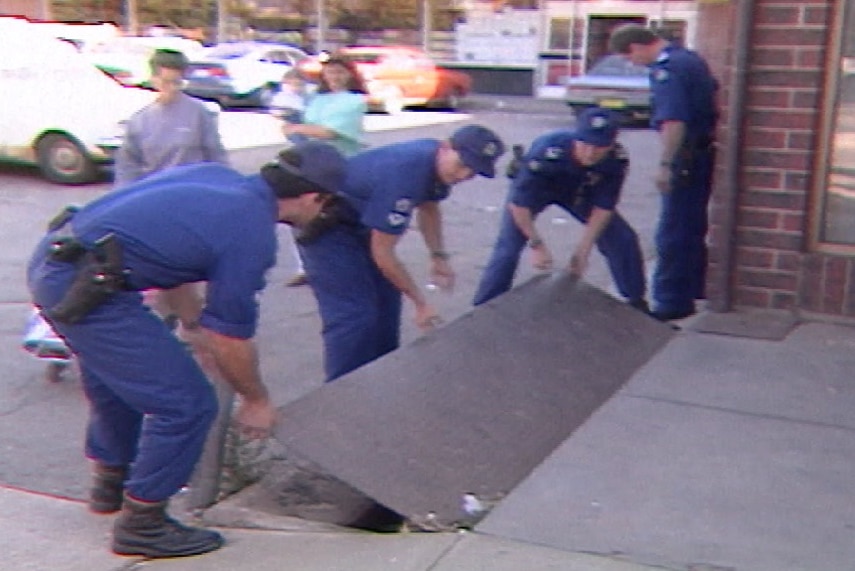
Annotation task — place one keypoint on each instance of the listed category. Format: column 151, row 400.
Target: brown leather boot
column 108, row 483
column 144, row 528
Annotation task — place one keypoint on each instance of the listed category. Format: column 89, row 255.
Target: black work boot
column 144, row 528
column 108, row 483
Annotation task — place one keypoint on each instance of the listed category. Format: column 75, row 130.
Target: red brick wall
column 771, row 267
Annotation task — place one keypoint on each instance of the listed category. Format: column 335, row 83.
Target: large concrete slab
column 733, row 454
column 471, row 409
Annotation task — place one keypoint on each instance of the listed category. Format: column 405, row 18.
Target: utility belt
column 100, row 270
column 690, row 151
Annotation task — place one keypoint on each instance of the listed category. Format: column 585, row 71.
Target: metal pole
column 132, row 24
column 222, row 21
column 426, row 25
column 571, row 39
column 320, row 42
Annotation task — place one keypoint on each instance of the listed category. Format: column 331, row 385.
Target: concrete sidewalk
column 722, row 453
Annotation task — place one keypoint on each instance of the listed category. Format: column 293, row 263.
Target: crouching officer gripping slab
column 151, row 404
column 352, row 268
column 581, row 171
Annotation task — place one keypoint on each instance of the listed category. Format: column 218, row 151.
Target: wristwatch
column 439, row 255
column 535, row 243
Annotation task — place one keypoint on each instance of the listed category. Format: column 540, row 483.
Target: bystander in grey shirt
column 160, row 136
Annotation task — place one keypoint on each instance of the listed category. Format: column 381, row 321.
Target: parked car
column 126, row 58
column 241, row 73
column 401, row 76
column 57, row 110
column 614, row 83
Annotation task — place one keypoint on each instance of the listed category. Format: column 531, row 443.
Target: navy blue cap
column 319, row 163
column 597, row 126
column 479, row 148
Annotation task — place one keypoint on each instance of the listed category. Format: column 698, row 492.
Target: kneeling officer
column 151, row 403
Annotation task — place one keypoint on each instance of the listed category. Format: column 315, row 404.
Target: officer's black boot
column 108, row 484
column 144, row 528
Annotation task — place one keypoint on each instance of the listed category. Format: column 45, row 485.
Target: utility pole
column 222, row 20
column 320, row 40
column 132, row 24
column 427, row 25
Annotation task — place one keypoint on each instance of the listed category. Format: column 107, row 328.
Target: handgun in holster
column 61, row 219
column 517, row 152
column 99, row 275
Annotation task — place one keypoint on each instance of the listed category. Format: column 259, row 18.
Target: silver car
column 241, row 73
column 613, row 83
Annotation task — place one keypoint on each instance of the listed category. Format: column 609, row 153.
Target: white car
column 241, row 73
column 57, row 110
column 126, row 58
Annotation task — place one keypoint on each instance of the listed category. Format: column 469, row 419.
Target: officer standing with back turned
column 151, row 405
column 685, row 114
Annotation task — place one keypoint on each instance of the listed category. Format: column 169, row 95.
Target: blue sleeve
column 526, row 190
column 670, row 88
column 231, row 305
column 388, row 212
column 607, row 192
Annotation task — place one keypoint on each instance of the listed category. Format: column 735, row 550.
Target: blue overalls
column 361, row 309
column 151, row 404
column 684, row 90
column 549, row 175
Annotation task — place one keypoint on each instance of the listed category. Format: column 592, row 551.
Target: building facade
column 783, row 212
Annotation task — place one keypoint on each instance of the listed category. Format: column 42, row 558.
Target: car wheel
column 64, row 161
column 393, row 101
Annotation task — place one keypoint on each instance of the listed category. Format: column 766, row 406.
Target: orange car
column 400, row 76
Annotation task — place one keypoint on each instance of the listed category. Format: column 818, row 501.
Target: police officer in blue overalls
column 685, row 114
column 581, row 171
column 151, row 403
column 353, row 269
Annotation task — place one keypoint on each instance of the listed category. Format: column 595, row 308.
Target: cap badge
column 490, row 149
column 599, row 122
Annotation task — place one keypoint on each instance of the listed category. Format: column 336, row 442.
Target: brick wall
column 771, row 267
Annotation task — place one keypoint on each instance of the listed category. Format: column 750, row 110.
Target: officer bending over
column 353, row 269
column 151, row 404
column 581, row 171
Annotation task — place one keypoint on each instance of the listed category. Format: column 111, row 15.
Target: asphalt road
column 41, row 424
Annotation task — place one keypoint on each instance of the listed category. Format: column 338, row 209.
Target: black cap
column 315, row 162
column 479, row 148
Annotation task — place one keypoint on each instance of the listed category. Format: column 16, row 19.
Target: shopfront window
column 837, row 225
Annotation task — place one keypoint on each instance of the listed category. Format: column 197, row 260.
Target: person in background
column 289, row 104
column 175, row 129
column 334, row 114
column 685, row 115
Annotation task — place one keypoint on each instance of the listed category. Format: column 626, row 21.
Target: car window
column 363, row 57
column 228, row 51
column 617, row 66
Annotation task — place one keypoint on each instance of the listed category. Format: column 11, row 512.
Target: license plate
column 613, row 103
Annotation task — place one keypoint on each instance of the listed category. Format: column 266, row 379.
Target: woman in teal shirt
column 335, row 113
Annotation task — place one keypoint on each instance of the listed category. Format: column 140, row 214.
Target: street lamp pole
column 427, row 25
column 320, row 42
